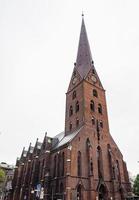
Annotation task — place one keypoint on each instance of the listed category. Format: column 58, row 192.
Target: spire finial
column 82, row 14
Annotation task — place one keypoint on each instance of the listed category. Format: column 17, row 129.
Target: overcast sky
column 38, row 46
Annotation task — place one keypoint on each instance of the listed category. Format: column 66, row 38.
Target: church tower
column 97, row 169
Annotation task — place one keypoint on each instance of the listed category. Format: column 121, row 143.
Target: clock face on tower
column 94, row 79
column 74, row 80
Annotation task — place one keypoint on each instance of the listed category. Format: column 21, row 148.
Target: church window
column 61, row 189
column 77, row 122
column 91, row 167
column 101, row 124
column 77, row 106
column 74, row 95
column 93, row 121
column 54, row 166
column 95, row 94
column 63, row 158
column 79, row 164
column 100, row 162
column 92, row 105
column 71, row 111
column 79, row 192
column 58, row 164
column 70, row 126
column 99, row 108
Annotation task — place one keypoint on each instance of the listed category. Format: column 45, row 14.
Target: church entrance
column 102, row 193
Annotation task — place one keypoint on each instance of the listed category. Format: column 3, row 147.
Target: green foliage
column 2, row 175
column 136, row 185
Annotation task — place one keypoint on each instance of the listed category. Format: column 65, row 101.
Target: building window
column 99, row 108
column 74, row 95
column 55, row 166
column 77, row 122
column 93, row 121
column 92, row 105
column 79, row 163
column 101, row 124
column 71, row 111
column 70, row 126
column 79, row 192
column 91, row 167
column 77, row 106
column 100, row 162
column 63, row 158
column 95, row 94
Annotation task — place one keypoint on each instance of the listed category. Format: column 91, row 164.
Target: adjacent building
column 83, row 162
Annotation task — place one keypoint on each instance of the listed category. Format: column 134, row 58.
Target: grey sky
column 38, row 46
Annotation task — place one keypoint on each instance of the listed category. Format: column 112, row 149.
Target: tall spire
column 84, row 57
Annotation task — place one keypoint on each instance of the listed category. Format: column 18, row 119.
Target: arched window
column 77, row 122
column 79, row 164
column 93, row 121
column 70, row 126
column 92, row 105
column 74, row 95
column 63, row 164
column 111, row 168
column 95, row 94
column 58, row 164
column 79, row 192
column 71, row 111
column 100, row 162
column 54, row 166
column 61, row 189
column 99, row 108
column 101, row 124
column 77, row 106
column 91, row 167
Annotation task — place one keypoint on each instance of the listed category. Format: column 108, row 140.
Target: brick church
column 83, row 162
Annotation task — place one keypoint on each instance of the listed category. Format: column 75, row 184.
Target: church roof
column 62, row 139
column 84, row 62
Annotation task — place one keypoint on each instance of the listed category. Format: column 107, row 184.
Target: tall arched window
column 79, row 164
column 77, row 122
column 79, row 192
column 77, row 106
column 61, row 190
column 54, row 166
column 74, row 95
column 63, row 164
column 58, row 164
column 71, row 111
column 99, row 108
column 70, row 126
column 100, row 162
column 92, row 105
column 93, row 121
column 95, row 94
column 111, row 169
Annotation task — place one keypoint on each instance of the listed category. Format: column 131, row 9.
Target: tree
column 136, row 185
column 2, row 175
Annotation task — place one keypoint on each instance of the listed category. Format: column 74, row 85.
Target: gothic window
column 62, row 168
column 70, row 126
column 99, row 108
column 111, row 168
column 95, row 94
column 117, row 170
column 71, row 111
column 54, row 166
column 58, row 164
column 74, row 95
column 61, row 188
column 91, row 167
column 101, row 124
column 93, row 121
column 77, row 122
column 92, row 105
column 79, row 164
column 77, row 106
column 100, row 162
column 79, row 192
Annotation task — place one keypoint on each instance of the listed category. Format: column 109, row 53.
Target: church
column 83, row 162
